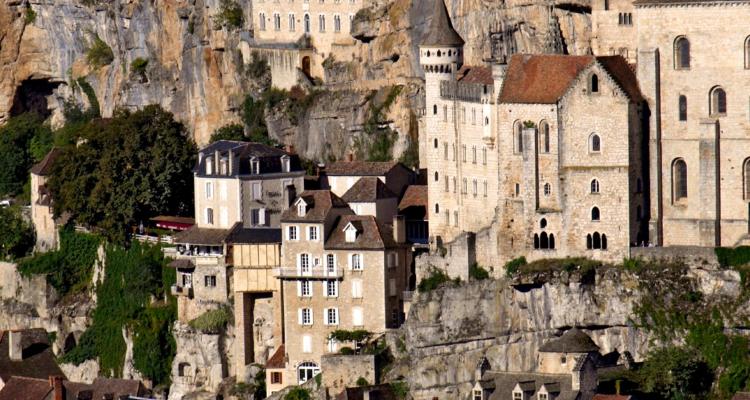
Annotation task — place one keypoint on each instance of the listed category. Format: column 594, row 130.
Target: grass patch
column 478, row 273
column 211, row 322
column 436, row 279
column 29, row 15
column 98, row 53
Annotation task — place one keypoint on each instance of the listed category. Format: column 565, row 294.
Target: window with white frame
column 255, row 167
column 332, row 288
column 356, row 288
column 304, row 264
column 262, row 21
column 356, row 262
column 209, row 190
column 331, row 316
column 301, row 209
column 357, row 316
column 312, row 233
column 210, row 216
column 305, row 316
column 304, row 288
column 291, row 233
column 257, row 191
column 209, row 280
column 330, row 264
column 292, row 23
column 209, row 165
column 333, row 345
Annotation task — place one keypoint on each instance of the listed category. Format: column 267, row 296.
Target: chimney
column 15, row 350
column 399, row 228
column 230, row 164
column 56, row 383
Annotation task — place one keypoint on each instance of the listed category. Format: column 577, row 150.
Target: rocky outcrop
column 200, row 364
column 448, row 330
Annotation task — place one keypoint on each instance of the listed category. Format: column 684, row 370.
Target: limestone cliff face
column 448, row 330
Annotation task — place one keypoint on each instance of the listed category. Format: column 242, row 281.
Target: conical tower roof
column 441, row 32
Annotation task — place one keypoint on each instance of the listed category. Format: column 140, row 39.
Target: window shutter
column 312, row 315
column 299, row 316
column 262, row 217
column 325, row 316
column 299, row 289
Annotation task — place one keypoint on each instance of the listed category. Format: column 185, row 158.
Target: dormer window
column 301, row 209
column 477, row 395
column 223, row 170
column 286, row 165
column 255, row 167
column 517, row 395
column 351, row 235
column 209, row 165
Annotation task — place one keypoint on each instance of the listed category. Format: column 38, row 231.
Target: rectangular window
column 330, row 264
column 463, row 153
column 517, row 396
column 292, row 23
column 447, row 185
column 304, row 288
column 291, row 233
column 445, row 150
column 304, row 264
column 209, row 190
column 209, row 280
column 262, row 21
column 357, row 316
column 474, row 187
column 356, row 288
column 356, row 262
column 484, row 156
column 477, row 395
column 474, row 154
column 305, row 316
column 210, row 216
column 312, row 233
column 332, row 316
column 307, row 344
column 332, row 288
column 485, row 188
column 255, row 216
column 392, row 287
column 257, row 192
column 276, row 378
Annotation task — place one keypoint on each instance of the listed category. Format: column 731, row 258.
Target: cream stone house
column 341, row 176
column 339, row 271
column 370, row 196
column 544, row 150
column 42, row 214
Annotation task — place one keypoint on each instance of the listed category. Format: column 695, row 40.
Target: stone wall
column 342, row 371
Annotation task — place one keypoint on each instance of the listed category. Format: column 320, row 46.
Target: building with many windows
column 340, row 271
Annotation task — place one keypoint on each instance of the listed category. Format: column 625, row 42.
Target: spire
column 441, row 32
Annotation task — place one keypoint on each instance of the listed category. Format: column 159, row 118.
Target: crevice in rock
column 31, row 96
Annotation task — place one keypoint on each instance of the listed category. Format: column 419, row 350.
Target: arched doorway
column 306, row 371
column 306, row 65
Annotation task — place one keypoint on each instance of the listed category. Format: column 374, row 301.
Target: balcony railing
column 312, row 273
column 182, row 291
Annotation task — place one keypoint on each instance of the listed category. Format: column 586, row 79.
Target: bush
column 98, row 53
column 400, row 389
column 513, row 266
column 229, row 15
column 211, row 322
column 258, row 66
column 432, row 282
column 477, row 273
column 16, row 235
column 29, row 15
column 359, row 335
column 346, row 351
column 24, row 140
column 361, row 381
column 633, row 264
column 733, row 257
column 138, row 67
column 229, row 132
column 298, row 393
column 153, row 343
column 529, row 124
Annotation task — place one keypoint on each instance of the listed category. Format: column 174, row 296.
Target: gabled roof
column 545, row 78
column 44, row 167
column 277, row 359
column 371, row 235
column 38, row 360
column 202, row 236
column 242, row 153
column 368, row 189
column 361, row 168
column 241, row 235
column 319, row 203
column 573, row 340
column 102, row 387
column 441, row 31
column 530, row 382
column 472, row 74
column 415, row 196
column 20, row 388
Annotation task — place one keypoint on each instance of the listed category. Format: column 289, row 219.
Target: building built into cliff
column 42, row 214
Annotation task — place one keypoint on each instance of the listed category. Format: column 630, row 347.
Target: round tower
column 441, row 50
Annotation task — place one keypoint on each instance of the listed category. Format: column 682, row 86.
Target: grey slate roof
column 269, row 157
column 38, row 360
column 241, row 235
column 371, row 235
column 319, row 203
column 573, row 340
column 368, row 189
column 530, row 382
column 441, row 31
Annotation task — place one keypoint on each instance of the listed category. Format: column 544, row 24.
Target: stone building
column 296, row 37
column 613, row 30
column 341, row 176
column 545, row 151
column 42, row 215
column 340, row 272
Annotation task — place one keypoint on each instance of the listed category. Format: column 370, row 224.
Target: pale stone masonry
column 340, row 271
column 42, row 214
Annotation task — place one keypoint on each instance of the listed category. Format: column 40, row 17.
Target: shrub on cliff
column 298, row 393
column 477, row 273
column 98, row 53
column 24, row 140
column 16, row 235
column 211, row 322
column 229, row 16
column 436, row 279
column 513, row 266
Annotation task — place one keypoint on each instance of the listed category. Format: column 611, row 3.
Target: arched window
column 276, row 21
column 595, row 214
column 322, row 23
column 679, row 180
column 589, row 243
column 437, row 208
column 747, row 52
column 547, row 190
column 718, row 101
column 594, row 83
column 746, row 178
column 595, row 143
column 439, row 53
column 681, row 53
column 518, row 136
column 543, row 241
column 536, row 240
column 435, row 143
column 552, row 241
column 544, row 136
column 543, row 223
column 604, row 242
column 262, row 21
column 307, row 371
column 434, row 109
column 436, row 175
column 307, row 23
column 597, row 241
column 682, row 106
column 594, row 186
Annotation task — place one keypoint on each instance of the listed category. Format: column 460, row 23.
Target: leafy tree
column 676, row 373
column 16, row 235
column 229, row 132
column 298, row 393
column 130, row 168
column 230, row 15
column 24, row 140
column 153, row 345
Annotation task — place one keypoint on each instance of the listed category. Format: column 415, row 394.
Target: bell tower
column 441, row 51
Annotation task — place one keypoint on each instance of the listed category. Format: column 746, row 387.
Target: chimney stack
column 56, row 383
column 15, row 350
column 399, row 229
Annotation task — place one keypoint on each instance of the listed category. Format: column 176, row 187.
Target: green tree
column 229, row 132
column 298, row 393
column 16, row 235
column 23, row 140
column 130, row 168
column 676, row 373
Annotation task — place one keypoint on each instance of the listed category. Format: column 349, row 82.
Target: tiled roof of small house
column 371, row 235
column 368, row 189
column 545, row 78
column 472, row 74
column 241, row 235
column 277, row 359
column 319, row 204
column 415, row 196
column 530, row 382
column 44, row 167
column 573, row 340
column 204, row 236
column 21, row 388
column 741, row 396
column 360, row 168
column 441, row 31
column 38, row 361
column 628, row 397
column 102, row 388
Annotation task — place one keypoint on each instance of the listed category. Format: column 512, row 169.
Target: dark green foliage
column 131, row 168
column 529, row 124
column 132, row 276
column 733, row 257
column 24, row 140
column 68, row 269
column 229, row 132
column 260, row 382
column 138, row 67
column 258, row 66
column 380, row 149
column 436, row 279
column 229, row 15
column 254, row 118
column 477, row 273
column 93, row 111
column 212, row 322
column 346, row 351
column 513, row 266
column 358, row 335
column 361, row 381
column 297, row 393
column 16, row 235
column 382, row 137
column 29, row 15
column 400, row 389
column 410, row 156
column 676, row 373
column 98, row 53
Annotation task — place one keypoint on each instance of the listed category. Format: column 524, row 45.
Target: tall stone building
column 42, row 214
column 545, row 150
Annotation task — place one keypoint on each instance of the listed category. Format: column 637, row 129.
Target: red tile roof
column 741, row 396
column 611, row 397
column 277, row 359
column 44, row 167
column 623, row 74
column 415, row 196
column 471, row 74
column 19, row 388
column 38, row 361
column 540, row 79
column 360, row 168
column 368, row 189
